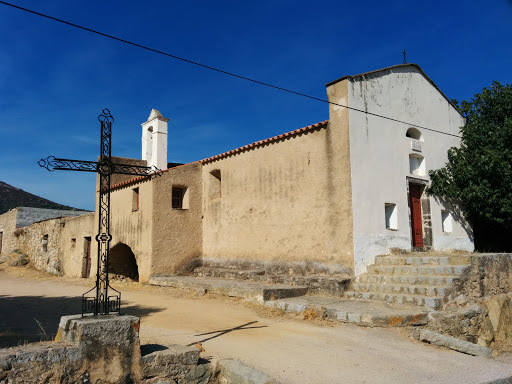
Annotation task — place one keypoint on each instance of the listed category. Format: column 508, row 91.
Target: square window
column 391, row 216
column 179, row 197
column 446, row 219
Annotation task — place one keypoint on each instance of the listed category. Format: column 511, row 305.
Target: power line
column 221, row 70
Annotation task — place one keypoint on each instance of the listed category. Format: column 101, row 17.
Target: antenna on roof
column 405, row 54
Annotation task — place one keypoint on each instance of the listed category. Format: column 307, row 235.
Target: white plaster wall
column 379, row 158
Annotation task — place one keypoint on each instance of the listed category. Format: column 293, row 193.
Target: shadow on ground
column 29, row 319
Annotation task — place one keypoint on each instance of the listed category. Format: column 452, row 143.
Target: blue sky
column 55, row 80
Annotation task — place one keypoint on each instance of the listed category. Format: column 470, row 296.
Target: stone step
column 360, row 312
column 432, row 280
column 249, row 291
column 229, row 273
column 400, row 299
column 330, row 285
column 429, row 259
column 449, row 270
column 424, row 290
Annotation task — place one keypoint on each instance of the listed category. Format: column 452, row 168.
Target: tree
column 478, row 175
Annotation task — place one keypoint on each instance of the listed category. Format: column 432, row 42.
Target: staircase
column 418, row 279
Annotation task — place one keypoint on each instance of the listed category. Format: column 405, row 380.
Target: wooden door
column 416, row 219
column 87, row 257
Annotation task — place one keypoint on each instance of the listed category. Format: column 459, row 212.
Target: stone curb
column 454, row 343
column 236, row 372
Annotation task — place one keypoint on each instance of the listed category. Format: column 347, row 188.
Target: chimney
column 154, row 140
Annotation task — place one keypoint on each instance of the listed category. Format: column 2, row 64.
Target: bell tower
column 154, row 140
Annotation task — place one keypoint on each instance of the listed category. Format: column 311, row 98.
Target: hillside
column 12, row 197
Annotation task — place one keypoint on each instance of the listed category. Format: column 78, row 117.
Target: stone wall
column 8, row 228
column 104, row 349
column 479, row 308
column 489, row 274
column 49, row 244
column 40, row 242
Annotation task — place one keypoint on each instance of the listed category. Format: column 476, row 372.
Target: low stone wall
column 489, row 274
column 478, row 309
column 103, row 349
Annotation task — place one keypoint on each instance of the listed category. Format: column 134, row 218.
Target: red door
column 417, row 231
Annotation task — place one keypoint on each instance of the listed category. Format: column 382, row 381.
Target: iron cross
column 101, row 303
column 405, row 54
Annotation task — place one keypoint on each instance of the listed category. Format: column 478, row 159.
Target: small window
column 135, row 199
column 44, row 243
column 73, row 243
column 179, row 197
column 417, row 165
column 446, row 219
column 391, row 216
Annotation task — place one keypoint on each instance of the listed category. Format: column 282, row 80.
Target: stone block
column 236, row 372
column 454, row 343
column 109, row 345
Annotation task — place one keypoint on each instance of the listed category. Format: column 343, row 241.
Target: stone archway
column 122, row 262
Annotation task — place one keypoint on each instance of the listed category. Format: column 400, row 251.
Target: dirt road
column 284, row 346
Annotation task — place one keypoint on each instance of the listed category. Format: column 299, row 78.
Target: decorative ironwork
column 101, row 302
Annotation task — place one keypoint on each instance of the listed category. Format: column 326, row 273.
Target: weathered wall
column 130, row 226
column 7, row 227
column 489, row 274
column 177, row 233
column 40, row 242
column 379, row 158
column 72, row 253
column 285, row 201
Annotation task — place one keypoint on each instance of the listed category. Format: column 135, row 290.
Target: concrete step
column 445, row 270
column 400, row 299
column 423, row 259
column 249, row 291
column 432, row 280
column 360, row 312
column 408, row 289
column 229, row 273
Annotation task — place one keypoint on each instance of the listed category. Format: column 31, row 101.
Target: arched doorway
column 122, row 262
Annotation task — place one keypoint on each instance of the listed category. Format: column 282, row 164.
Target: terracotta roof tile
column 313, row 127
column 140, row 178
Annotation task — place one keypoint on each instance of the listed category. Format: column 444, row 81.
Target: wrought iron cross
column 101, row 303
column 405, row 54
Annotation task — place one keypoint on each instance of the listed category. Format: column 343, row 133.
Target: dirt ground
column 285, row 346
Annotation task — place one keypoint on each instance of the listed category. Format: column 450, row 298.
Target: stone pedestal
column 109, row 345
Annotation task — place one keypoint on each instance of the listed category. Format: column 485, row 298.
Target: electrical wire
column 221, row 70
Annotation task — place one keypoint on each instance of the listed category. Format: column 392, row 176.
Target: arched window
column 417, row 165
column 414, row 133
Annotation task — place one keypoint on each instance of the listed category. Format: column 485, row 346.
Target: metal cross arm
column 53, row 164
column 101, row 302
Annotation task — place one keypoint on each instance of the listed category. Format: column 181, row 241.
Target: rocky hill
column 12, row 197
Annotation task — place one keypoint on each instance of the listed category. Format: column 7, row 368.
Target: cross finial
column 405, row 54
